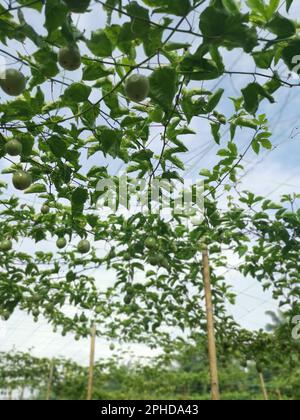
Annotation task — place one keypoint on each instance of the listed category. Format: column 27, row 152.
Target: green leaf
column 256, row 147
column 27, row 141
column 55, row 14
column 163, row 86
column 291, row 53
column 36, row 189
column 57, row 146
column 176, row 161
column 253, row 94
column 144, row 154
column 109, row 140
column 37, row 5
column 125, row 40
column 266, row 144
column 153, row 40
column 215, row 130
column 140, row 23
column 273, row 84
column 281, row 26
column 224, row 152
column 273, row 6
column 270, row 205
column 231, row 6
column 94, row 71
column 242, row 250
column 79, row 198
column 174, row 46
column 196, row 67
column 214, row 100
column 246, row 122
column 20, row 109
column 263, row 59
column 100, row 44
column 258, row 6
column 288, row 4
column 224, row 28
column 77, row 92
column 217, row 57
column 174, row 7
column 47, row 63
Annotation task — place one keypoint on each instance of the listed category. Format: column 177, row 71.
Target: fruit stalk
column 92, row 360
column 212, row 350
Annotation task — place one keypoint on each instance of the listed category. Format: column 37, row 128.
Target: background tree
column 136, row 80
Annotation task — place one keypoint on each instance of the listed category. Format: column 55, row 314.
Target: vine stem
column 233, row 167
column 123, row 79
column 14, row 8
column 166, row 129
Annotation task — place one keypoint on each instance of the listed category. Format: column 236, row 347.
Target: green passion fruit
column 13, row 82
column 21, row 180
column 137, row 87
column 61, row 243
column 151, row 243
column 69, row 58
column 13, row 148
column 45, row 209
column 5, row 245
column 83, row 247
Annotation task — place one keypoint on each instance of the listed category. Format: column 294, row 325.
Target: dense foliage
column 180, row 373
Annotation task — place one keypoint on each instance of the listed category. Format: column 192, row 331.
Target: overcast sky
column 271, row 174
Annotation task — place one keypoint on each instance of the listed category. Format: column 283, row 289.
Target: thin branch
column 232, row 168
column 123, row 79
column 158, row 25
column 13, row 8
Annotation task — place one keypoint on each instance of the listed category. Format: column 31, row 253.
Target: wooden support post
column 22, row 393
column 50, row 380
column 212, row 349
column 280, row 397
column 263, row 387
column 92, row 360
